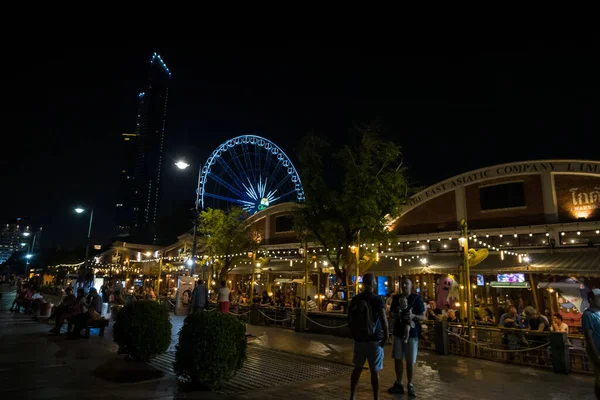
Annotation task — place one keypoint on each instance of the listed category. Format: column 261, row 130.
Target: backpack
column 360, row 319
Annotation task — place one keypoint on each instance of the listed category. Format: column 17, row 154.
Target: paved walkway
column 36, row 366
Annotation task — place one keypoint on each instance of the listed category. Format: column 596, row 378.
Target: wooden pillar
column 534, row 290
column 495, row 309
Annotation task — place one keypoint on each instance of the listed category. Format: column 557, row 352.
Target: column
column 549, row 197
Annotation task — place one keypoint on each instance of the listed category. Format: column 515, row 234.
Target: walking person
column 401, row 349
column 590, row 322
column 369, row 328
column 199, row 297
column 224, row 298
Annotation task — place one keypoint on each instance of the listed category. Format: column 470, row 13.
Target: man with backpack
column 402, row 349
column 369, row 328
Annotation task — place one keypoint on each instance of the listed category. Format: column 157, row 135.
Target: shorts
column 407, row 351
column 224, row 307
column 368, row 351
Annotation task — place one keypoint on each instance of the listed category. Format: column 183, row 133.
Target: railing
column 428, row 335
column 577, row 355
column 282, row 317
column 515, row 346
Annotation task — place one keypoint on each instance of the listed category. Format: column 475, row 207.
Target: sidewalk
column 34, row 365
column 435, row 376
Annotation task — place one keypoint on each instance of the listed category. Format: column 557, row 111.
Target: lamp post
column 183, row 165
column 80, row 210
column 464, row 243
column 252, row 256
column 304, row 251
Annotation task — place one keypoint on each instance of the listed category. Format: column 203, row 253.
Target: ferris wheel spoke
column 229, row 199
column 247, row 161
column 238, row 164
column 274, row 174
column 231, row 188
column 283, row 195
column 231, row 174
column 280, row 184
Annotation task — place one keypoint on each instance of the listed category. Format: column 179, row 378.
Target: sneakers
column 397, row 389
column 411, row 390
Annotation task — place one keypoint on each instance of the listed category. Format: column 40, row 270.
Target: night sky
column 452, row 106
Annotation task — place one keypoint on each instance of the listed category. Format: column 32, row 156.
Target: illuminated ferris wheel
column 250, row 172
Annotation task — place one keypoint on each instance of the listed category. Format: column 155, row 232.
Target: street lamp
column 252, row 256
column 80, row 210
column 183, row 165
column 464, row 243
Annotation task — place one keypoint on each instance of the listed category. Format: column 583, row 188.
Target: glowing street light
column 182, row 164
column 80, row 210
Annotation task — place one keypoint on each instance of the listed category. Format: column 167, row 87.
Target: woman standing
column 224, row 298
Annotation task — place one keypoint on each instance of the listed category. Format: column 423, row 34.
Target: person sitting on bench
column 94, row 306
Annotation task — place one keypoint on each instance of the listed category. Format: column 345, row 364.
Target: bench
column 99, row 324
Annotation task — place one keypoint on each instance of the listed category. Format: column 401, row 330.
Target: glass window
column 504, row 195
column 284, row 223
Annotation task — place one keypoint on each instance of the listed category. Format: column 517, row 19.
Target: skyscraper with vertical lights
column 148, row 167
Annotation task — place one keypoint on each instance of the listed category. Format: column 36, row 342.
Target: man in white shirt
column 224, row 298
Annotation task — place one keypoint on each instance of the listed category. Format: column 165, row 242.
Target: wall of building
column 438, row 214
column 531, row 214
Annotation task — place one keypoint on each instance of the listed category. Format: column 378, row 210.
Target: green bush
column 143, row 330
column 211, row 348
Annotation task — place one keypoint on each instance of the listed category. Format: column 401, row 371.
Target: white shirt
column 224, row 294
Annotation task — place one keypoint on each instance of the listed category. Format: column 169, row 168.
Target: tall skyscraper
column 15, row 236
column 124, row 206
column 147, row 170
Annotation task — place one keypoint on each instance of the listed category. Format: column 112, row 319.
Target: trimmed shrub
column 211, row 348
column 142, row 330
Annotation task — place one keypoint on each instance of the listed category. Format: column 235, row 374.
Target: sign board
column 97, row 247
column 511, row 285
column 185, row 286
column 505, row 170
column 506, row 278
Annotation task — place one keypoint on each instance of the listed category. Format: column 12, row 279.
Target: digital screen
column 506, row 278
column 382, row 286
column 480, row 280
column 359, row 279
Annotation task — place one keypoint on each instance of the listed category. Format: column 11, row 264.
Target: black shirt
column 534, row 323
column 376, row 304
column 415, row 302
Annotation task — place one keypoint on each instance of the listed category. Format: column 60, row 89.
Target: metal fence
column 428, row 335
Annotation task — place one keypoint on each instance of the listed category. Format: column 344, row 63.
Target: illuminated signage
column 509, row 278
column 504, row 170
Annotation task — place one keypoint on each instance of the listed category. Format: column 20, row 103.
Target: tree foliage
column 357, row 188
column 226, row 234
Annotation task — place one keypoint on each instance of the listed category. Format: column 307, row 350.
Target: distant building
column 146, row 180
column 17, row 236
column 124, row 205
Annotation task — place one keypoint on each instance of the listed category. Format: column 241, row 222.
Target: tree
column 354, row 192
column 227, row 236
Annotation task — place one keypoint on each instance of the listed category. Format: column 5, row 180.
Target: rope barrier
column 274, row 319
column 239, row 315
column 500, row 350
column 323, row 326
